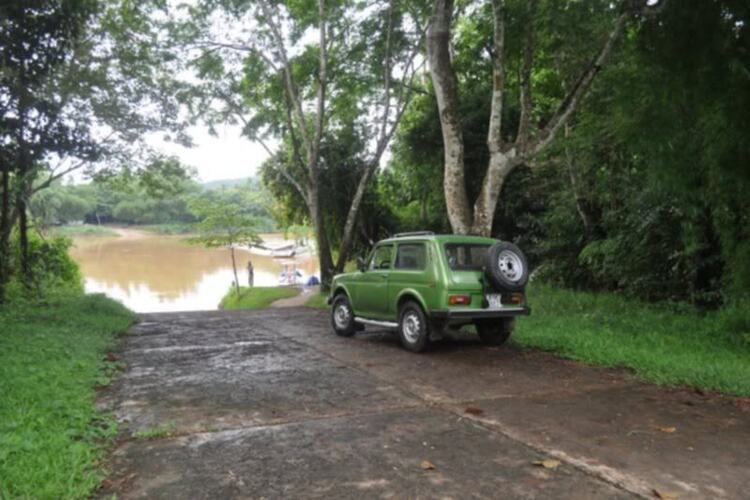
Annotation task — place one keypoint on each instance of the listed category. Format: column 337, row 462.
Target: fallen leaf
column 665, row 495
column 668, row 430
column 427, row 465
column 548, row 463
column 473, row 410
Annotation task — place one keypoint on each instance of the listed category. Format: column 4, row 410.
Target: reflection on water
column 151, row 273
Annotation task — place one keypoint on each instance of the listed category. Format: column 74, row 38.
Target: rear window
column 466, row 256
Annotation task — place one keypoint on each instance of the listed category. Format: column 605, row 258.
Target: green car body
column 417, row 268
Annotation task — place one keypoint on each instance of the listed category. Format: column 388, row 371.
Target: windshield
column 466, row 256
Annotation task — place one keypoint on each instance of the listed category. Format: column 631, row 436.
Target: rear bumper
column 469, row 313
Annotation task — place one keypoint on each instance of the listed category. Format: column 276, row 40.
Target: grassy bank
column 318, row 301
column 167, row 228
column 82, row 230
column 659, row 343
column 257, row 297
column 51, row 359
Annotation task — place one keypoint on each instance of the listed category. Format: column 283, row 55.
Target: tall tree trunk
column 5, row 230
column 23, row 234
column 234, row 269
column 503, row 157
column 500, row 166
column 446, row 90
column 325, row 260
column 351, row 218
column 501, row 161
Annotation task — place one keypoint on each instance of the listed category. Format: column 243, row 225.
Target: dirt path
column 299, row 300
column 270, row 404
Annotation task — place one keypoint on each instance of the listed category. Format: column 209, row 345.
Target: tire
column 506, row 267
column 413, row 327
column 495, row 332
column 342, row 316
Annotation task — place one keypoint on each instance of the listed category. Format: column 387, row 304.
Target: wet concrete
column 271, row 404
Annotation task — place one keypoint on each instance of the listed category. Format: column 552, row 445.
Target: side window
column 411, row 256
column 381, row 258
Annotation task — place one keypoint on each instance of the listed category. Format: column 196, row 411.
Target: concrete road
column 271, row 404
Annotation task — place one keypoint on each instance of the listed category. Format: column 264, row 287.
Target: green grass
column 82, row 230
column 659, row 343
column 157, row 432
column 257, row 297
column 52, row 439
column 167, row 228
column 317, row 301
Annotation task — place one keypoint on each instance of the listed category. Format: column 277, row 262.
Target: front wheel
column 495, row 332
column 342, row 316
column 413, row 329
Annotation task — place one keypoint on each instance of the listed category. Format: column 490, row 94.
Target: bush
column 52, row 268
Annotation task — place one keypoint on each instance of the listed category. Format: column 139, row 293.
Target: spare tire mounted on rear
column 506, row 267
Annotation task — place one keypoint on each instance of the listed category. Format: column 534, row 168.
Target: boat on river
column 279, row 252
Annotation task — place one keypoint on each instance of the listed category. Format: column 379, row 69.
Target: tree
column 279, row 84
column 224, row 225
column 529, row 140
column 36, row 37
column 75, row 77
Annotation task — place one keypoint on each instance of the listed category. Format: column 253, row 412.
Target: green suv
column 421, row 283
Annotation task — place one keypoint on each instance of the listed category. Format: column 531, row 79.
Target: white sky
column 226, row 156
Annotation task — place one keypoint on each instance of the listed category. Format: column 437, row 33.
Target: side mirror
column 361, row 265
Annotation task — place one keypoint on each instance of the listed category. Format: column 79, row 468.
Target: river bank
column 150, row 272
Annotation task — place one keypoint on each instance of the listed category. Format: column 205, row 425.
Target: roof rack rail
column 413, row 233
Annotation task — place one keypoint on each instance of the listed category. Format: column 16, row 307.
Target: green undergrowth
column 167, row 228
column 257, row 297
column 83, row 230
column 52, row 357
column 318, row 301
column 663, row 343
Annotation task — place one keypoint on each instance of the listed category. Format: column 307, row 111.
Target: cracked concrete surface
column 271, row 404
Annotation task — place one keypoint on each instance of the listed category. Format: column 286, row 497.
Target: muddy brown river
column 156, row 273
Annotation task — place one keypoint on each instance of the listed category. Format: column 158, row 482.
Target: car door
column 411, row 270
column 372, row 286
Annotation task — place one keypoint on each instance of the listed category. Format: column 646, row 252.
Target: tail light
column 513, row 299
column 459, row 300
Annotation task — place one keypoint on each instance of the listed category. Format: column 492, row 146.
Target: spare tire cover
column 506, row 267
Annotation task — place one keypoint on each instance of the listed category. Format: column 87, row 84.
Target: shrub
column 52, row 268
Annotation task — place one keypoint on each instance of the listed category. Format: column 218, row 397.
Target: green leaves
column 223, row 224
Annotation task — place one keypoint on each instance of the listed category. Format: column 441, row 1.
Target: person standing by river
column 250, row 273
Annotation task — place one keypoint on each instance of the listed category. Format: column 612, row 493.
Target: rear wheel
column 342, row 316
column 413, row 328
column 495, row 332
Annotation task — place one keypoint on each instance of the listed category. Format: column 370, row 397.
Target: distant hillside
column 225, row 183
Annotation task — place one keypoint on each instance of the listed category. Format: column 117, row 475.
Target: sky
column 226, row 156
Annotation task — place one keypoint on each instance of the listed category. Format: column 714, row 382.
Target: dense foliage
column 647, row 190
column 124, row 200
column 51, row 269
